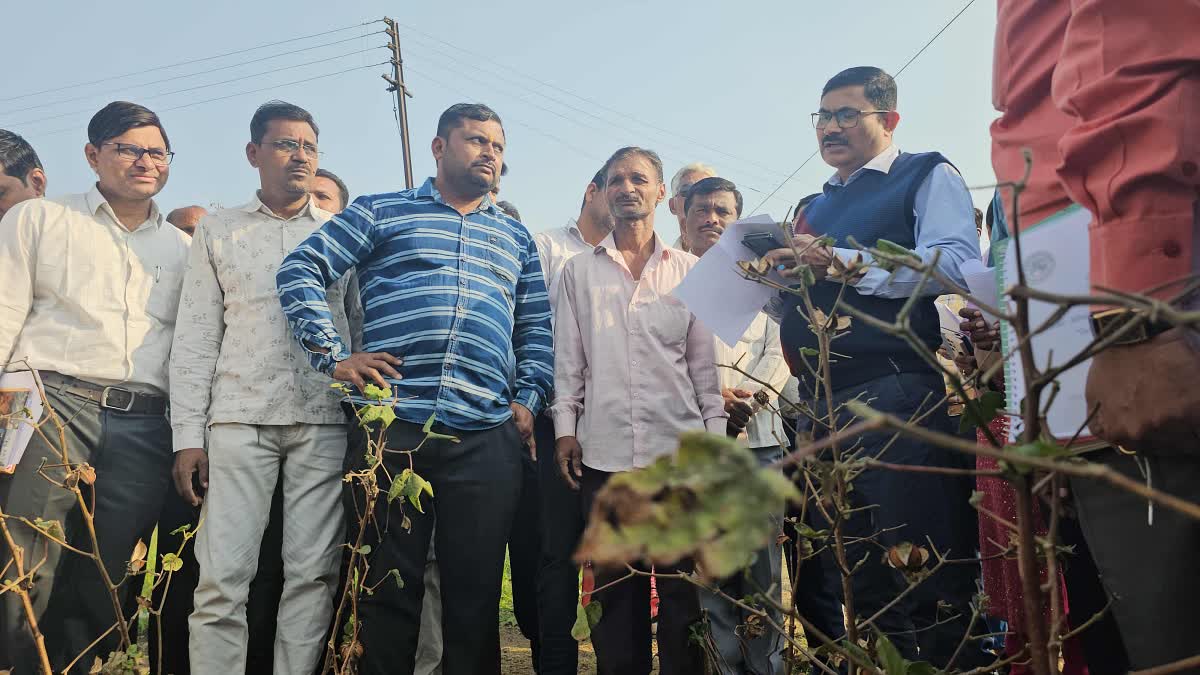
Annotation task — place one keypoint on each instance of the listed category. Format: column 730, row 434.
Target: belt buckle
column 104, row 394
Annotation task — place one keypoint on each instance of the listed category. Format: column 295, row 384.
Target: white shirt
column 633, row 368
column 83, row 296
column 555, row 248
column 234, row 358
column 760, row 354
column 945, row 222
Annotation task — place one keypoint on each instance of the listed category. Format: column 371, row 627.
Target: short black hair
column 118, row 117
column 630, row 151
column 453, row 117
column 508, row 208
column 598, row 181
column 343, row 191
column 710, row 185
column 17, row 157
column 278, row 110
column 878, row 87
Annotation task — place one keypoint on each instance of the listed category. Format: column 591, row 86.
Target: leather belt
column 116, row 399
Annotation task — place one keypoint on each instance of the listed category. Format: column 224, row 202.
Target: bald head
column 186, row 218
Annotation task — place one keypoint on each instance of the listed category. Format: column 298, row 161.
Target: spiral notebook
column 1056, row 259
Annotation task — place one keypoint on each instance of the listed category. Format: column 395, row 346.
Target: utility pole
column 396, row 82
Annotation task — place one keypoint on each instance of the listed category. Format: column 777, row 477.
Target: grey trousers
column 245, row 462
column 429, row 643
column 742, row 655
column 132, row 457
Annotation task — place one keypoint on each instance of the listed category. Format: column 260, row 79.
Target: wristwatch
column 1143, row 330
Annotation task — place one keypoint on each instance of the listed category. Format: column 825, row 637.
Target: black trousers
column 524, row 556
column 132, row 458
column 622, row 636
column 177, row 602
column 910, row 507
column 476, row 484
column 1149, row 569
column 558, row 576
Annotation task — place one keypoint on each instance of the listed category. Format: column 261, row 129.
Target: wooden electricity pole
column 396, row 82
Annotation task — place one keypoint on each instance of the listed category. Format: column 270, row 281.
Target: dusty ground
column 515, row 658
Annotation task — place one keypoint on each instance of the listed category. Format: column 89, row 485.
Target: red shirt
column 1106, row 94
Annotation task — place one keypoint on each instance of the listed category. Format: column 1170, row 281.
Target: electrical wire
column 242, row 93
column 185, row 76
column 190, row 61
column 692, row 141
column 202, row 86
column 898, row 74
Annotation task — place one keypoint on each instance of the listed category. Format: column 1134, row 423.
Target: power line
column 190, row 61
column 491, row 60
column 202, row 86
column 556, row 113
column 898, row 74
column 185, row 76
column 583, row 111
column 243, row 93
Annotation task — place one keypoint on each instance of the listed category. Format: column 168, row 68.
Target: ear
column 662, row 194
column 92, row 154
column 438, row 147
column 891, row 121
column 37, row 179
column 672, row 204
column 252, row 154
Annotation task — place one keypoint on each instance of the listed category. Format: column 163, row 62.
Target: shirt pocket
column 166, row 283
column 667, row 320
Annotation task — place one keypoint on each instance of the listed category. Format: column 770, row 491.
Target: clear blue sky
column 727, row 83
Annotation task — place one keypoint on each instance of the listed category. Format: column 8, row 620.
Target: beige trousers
column 245, row 461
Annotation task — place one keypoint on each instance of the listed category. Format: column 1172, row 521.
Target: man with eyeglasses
column 247, row 412
column 91, row 285
column 920, row 202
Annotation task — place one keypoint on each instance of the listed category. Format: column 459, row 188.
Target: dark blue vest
column 874, row 206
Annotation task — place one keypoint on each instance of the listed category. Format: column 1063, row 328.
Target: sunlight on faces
column 633, row 188
column 13, row 191
column 282, row 171
column 326, row 194
column 471, row 157
column 849, row 149
column 707, row 218
column 125, row 180
column 596, row 207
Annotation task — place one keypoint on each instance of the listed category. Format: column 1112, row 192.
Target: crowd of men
column 191, row 365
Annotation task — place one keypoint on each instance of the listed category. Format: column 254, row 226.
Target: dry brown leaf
column 843, row 322
column 87, row 474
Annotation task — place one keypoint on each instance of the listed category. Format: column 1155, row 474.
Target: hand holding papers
column 715, row 289
column 20, row 409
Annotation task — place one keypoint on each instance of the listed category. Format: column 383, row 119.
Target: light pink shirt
column 632, row 367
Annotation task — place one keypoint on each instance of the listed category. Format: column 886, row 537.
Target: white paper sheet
column 1055, row 255
column 715, row 290
column 17, row 428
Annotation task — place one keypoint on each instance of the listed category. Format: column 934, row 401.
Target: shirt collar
column 608, row 246
column 429, row 191
column 96, row 201
column 574, row 231
column 255, row 205
column 881, row 163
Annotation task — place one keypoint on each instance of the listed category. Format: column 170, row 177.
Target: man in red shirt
column 1106, row 95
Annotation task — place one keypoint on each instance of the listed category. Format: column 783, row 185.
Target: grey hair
column 694, row 167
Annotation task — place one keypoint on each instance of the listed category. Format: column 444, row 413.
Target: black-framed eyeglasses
column 133, row 153
column 847, row 118
column 288, row 146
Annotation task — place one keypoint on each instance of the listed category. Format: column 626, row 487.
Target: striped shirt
column 461, row 299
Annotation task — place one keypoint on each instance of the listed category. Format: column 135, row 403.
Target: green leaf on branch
column 52, row 528
column 171, row 562
column 409, row 485
column 708, row 501
column 376, row 393
column 893, row 663
column 809, row 351
column 397, row 486
column 1040, row 449
column 896, row 251
column 976, row 498
column 979, row 412
column 586, row 619
column 365, row 549
column 384, row 414
column 395, row 573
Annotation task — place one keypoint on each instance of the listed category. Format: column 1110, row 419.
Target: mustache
column 834, row 138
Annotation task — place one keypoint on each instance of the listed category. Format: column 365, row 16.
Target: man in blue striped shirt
column 453, row 290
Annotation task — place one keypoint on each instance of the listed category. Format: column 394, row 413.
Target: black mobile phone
column 762, row 242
